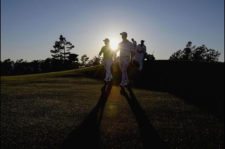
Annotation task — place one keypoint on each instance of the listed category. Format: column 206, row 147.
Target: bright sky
column 30, row 27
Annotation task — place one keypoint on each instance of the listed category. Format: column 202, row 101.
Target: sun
column 114, row 43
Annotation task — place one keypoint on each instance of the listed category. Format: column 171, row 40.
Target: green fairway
column 40, row 111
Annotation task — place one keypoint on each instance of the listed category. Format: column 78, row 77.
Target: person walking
column 125, row 47
column 134, row 42
column 107, row 60
column 187, row 51
column 134, row 49
column 140, row 54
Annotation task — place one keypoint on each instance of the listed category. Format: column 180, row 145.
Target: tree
column 149, row 57
column 73, row 58
column 62, row 57
column 35, row 66
column 21, row 67
column 176, row 56
column 95, row 61
column 73, row 61
column 84, row 58
column 7, row 66
column 200, row 54
column 62, row 49
column 212, row 55
column 46, row 65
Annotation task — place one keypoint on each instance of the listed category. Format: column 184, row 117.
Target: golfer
column 140, row 54
column 125, row 48
column 134, row 42
column 107, row 60
column 134, row 49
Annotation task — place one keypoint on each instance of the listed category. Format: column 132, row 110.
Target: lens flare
column 114, row 43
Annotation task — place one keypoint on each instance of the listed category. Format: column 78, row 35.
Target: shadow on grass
column 87, row 135
column 149, row 136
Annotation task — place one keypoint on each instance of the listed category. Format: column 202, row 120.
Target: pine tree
column 62, row 49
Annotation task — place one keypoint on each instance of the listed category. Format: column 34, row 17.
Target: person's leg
column 141, row 62
column 110, row 69
column 124, row 65
column 106, row 70
column 122, row 71
column 109, row 72
column 140, row 65
column 126, row 80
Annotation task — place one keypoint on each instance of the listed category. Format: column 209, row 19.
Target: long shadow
column 87, row 135
column 149, row 136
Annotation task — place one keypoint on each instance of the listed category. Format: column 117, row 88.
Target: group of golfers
column 129, row 52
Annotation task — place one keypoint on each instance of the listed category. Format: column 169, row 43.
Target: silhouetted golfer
column 134, row 49
column 107, row 59
column 125, row 48
column 140, row 54
column 134, row 42
column 187, row 50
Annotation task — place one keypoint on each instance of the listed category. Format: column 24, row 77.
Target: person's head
column 132, row 39
column 189, row 44
column 142, row 42
column 106, row 41
column 124, row 35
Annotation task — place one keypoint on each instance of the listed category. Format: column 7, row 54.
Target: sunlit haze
column 114, row 42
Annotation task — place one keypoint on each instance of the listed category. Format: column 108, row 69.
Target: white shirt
column 134, row 43
column 140, row 51
column 125, row 47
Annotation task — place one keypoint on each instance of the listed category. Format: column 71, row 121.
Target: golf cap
column 123, row 33
column 142, row 41
column 106, row 40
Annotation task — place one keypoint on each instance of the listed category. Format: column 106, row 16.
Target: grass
column 41, row 110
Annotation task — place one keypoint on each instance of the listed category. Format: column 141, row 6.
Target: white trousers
column 108, row 72
column 140, row 59
column 124, row 63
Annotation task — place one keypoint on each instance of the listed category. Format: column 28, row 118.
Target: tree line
column 196, row 53
column 63, row 59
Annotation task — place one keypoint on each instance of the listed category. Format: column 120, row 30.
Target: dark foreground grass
column 41, row 111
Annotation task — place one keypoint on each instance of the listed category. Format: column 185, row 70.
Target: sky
column 29, row 28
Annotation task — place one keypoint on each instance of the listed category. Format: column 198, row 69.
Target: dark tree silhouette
column 7, row 66
column 202, row 53
column 62, row 58
column 73, row 58
column 46, row 65
column 176, row 56
column 199, row 54
column 73, row 61
column 95, row 61
column 84, row 58
column 22, row 67
column 149, row 57
column 62, row 49
column 35, row 66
